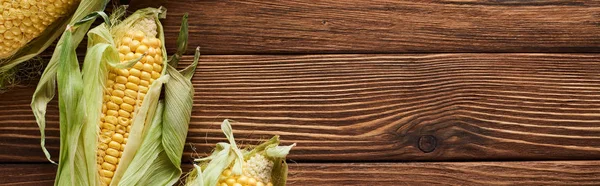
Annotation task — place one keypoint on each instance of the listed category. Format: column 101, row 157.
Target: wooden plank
column 385, row 26
column 377, row 107
column 432, row 173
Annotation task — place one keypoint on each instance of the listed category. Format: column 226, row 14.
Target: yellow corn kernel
column 114, row 145
column 133, row 79
column 127, row 107
column 121, row 79
column 158, row 59
column 131, row 86
column 134, row 45
column 111, row 159
column 110, row 119
column 145, row 76
column 135, row 72
column 121, row 129
column 111, row 113
column 126, row 41
column 123, row 121
column 151, row 52
column 116, row 100
column 139, row 35
column 117, row 137
column 155, row 75
column 124, row 49
column 139, row 65
column 142, row 49
column 230, row 181
column 144, row 83
column 129, row 100
column 157, row 68
column 112, row 152
column 123, row 72
column 131, row 93
column 109, row 126
column 147, row 67
column 124, row 114
column 119, row 86
column 129, row 56
column 155, row 42
column 108, row 166
column 106, row 173
column 149, row 60
column 118, row 93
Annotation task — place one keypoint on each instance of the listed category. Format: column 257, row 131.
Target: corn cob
column 125, row 91
column 22, row 21
column 263, row 165
column 114, row 122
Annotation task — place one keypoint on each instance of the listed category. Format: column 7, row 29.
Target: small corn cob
column 22, row 21
column 263, row 165
column 125, row 90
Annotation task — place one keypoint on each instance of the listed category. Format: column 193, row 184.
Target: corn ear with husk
column 228, row 165
column 28, row 27
column 115, row 127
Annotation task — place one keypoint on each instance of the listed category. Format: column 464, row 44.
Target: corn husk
column 44, row 40
column 152, row 155
column 207, row 170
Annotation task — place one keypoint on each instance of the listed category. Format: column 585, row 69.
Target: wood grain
column 432, row 173
column 386, row 26
column 377, row 107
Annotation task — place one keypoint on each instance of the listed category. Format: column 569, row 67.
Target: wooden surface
column 335, row 174
column 478, row 92
column 387, row 26
column 379, row 107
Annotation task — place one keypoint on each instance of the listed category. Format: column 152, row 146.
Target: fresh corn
column 22, row 21
column 124, row 92
column 263, row 165
column 116, row 128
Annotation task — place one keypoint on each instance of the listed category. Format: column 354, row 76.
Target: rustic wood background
column 421, row 92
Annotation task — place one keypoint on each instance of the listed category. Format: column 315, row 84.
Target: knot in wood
column 427, row 143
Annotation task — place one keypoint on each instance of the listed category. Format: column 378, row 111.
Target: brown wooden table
column 421, row 92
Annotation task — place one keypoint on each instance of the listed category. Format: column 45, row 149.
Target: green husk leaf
column 227, row 155
column 47, row 84
column 72, row 114
column 182, row 42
